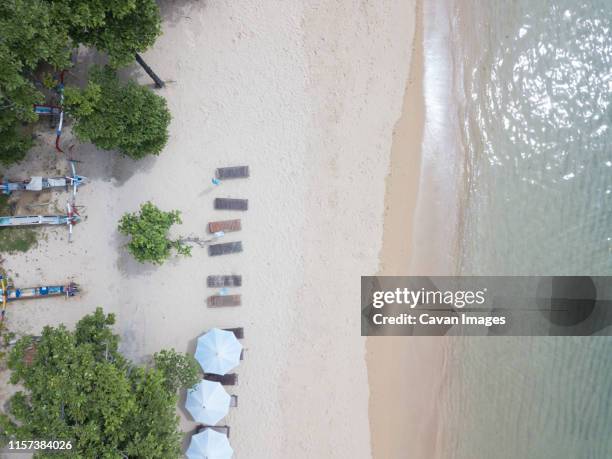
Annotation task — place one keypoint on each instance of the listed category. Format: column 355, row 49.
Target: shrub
column 148, row 230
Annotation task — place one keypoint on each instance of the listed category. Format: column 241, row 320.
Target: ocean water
column 535, row 86
column 522, row 91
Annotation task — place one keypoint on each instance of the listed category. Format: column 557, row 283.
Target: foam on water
column 435, row 235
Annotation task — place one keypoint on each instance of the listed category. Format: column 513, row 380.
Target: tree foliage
column 14, row 140
column 31, row 33
column 129, row 118
column 148, row 230
column 77, row 386
column 37, row 32
column 28, row 38
column 120, row 28
column 180, row 370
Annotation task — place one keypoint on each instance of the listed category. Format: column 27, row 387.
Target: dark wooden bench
column 219, row 301
column 231, row 204
column 224, row 248
column 233, row 172
column 224, row 281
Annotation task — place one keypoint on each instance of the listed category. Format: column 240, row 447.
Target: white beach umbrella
column 209, row 445
column 207, row 402
column 218, row 351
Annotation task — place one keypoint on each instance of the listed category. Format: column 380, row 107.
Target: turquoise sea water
column 532, row 89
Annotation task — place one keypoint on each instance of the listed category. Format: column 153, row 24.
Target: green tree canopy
column 35, row 32
column 28, row 37
column 32, row 34
column 121, row 28
column 129, row 118
column 14, row 140
column 148, row 230
column 77, row 386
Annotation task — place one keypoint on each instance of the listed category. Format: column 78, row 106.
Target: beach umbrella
column 218, row 351
column 209, row 444
column 207, row 402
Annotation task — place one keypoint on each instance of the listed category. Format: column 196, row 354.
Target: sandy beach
column 406, row 373
column 307, row 94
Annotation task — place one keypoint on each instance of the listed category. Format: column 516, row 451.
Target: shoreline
column 405, row 423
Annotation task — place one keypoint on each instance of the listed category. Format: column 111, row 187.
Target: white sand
column 306, row 94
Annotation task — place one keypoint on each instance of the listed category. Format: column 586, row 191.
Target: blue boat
column 13, row 294
column 37, row 183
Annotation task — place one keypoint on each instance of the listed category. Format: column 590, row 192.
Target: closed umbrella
column 209, row 445
column 218, row 351
column 207, row 402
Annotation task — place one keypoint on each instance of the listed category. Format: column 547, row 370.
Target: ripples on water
column 537, row 128
column 534, row 87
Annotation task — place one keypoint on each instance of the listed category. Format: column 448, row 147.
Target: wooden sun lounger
column 225, row 430
column 230, row 379
column 219, row 301
column 231, row 204
column 238, row 332
column 227, row 226
column 233, row 280
column 234, row 401
column 225, row 248
column 233, row 172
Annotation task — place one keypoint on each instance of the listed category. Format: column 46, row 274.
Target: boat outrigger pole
column 55, row 110
column 37, row 183
column 60, row 124
column 71, row 218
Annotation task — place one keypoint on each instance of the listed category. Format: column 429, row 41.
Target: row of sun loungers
column 227, row 226
column 223, row 281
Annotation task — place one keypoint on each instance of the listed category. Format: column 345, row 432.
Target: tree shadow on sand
column 175, row 11
column 130, row 267
column 126, row 264
column 104, row 164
